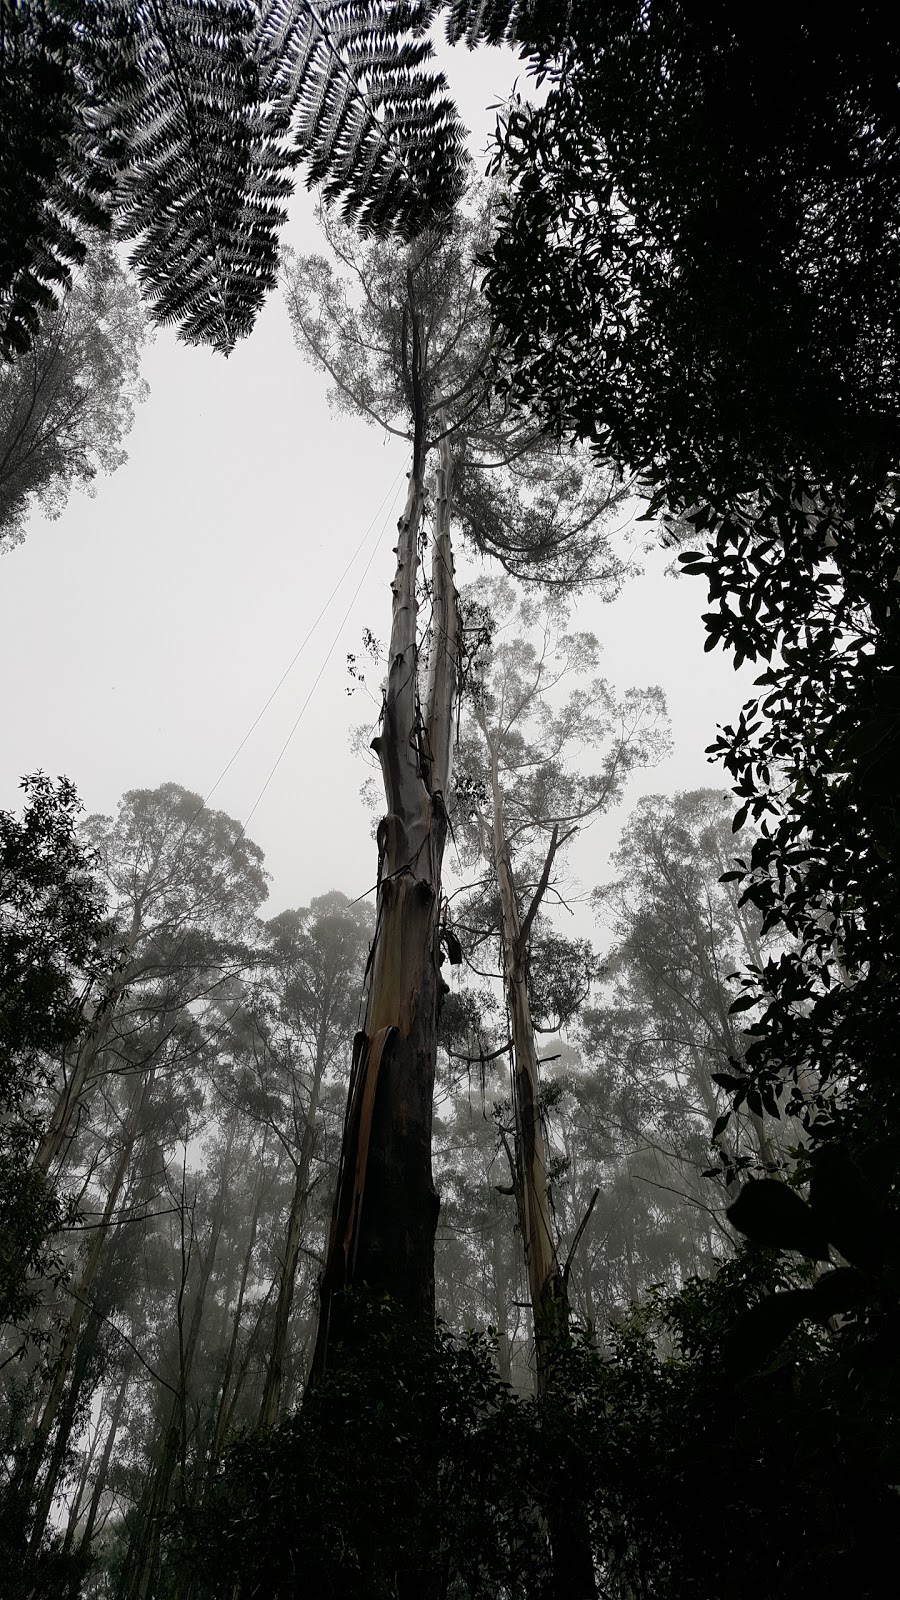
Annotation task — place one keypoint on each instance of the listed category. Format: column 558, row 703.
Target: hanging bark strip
column 385, row 1211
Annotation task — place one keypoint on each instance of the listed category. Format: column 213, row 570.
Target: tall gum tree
column 522, row 797
column 406, row 340
column 680, row 934
column 314, row 959
column 184, row 883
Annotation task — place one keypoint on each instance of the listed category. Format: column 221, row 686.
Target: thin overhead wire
column 315, row 683
column 392, row 491
column 390, row 495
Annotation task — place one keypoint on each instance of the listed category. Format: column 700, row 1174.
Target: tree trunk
column 244, row 1367
column 103, row 1469
column 91, row 1046
column 272, row 1390
column 37, row 1444
column 87, row 1345
column 501, row 1309
column 73, row 1516
column 711, row 1106
column 570, row 1548
column 174, row 1439
column 385, row 1211
column 545, row 1282
column 223, row 1413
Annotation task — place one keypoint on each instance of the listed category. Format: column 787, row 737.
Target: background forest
column 518, row 1219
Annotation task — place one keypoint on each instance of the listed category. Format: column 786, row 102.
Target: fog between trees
column 495, row 1233
column 193, row 1171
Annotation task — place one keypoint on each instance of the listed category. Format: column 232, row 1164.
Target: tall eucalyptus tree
column 523, row 798
column 408, row 345
column 184, row 883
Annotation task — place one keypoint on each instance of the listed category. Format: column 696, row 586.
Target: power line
column 203, row 804
column 304, row 642
column 316, row 680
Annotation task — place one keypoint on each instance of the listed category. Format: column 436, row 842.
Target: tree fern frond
column 179, row 122
column 54, row 148
column 484, row 21
column 348, row 75
column 539, row 26
column 205, row 178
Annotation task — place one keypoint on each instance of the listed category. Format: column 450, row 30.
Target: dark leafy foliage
column 53, row 942
column 55, row 1575
column 202, row 179
column 810, row 585
column 374, row 125
column 151, row 117
column 421, row 1436
column 54, row 152
column 776, row 1483
column 425, row 1469
column 699, row 263
column 698, row 270
column 52, row 917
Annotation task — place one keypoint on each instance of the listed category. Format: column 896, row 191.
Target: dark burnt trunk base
column 386, row 1208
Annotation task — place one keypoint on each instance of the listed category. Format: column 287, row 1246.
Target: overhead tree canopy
column 178, row 124
column 543, row 511
column 699, row 261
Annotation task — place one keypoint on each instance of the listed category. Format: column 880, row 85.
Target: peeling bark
column 385, row 1210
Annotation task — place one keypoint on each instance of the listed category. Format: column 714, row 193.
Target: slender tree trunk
column 711, row 1106
column 385, row 1211
column 38, row 1442
column 174, row 1439
column 136, row 1571
column 74, row 1513
column 501, row 1310
column 572, row 1559
column 103, row 1468
column 222, row 1414
column 244, row 1367
column 546, row 1288
column 272, row 1390
column 98, row 1032
column 87, row 1345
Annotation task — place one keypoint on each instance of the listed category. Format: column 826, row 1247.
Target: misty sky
column 142, row 632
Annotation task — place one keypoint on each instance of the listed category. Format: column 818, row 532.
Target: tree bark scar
column 370, row 1052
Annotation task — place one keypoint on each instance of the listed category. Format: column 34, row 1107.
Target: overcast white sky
column 142, row 632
